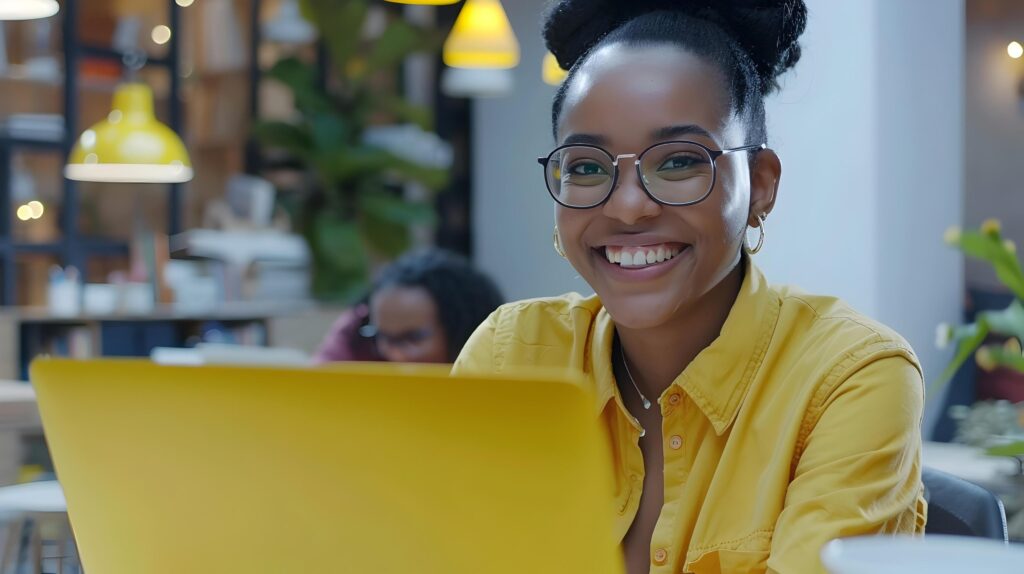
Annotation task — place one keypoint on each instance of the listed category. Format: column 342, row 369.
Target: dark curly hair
column 752, row 42
column 463, row 295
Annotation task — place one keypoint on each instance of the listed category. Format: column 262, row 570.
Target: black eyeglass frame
column 714, row 154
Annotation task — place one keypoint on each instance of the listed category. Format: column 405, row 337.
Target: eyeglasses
column 674, row 173
column 406, row 339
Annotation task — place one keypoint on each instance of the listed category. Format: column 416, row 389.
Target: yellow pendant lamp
column 482, row 38
column 552, row 72
column 130, row 145
column 27, row 9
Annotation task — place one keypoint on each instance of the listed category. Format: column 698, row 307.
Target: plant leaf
column 431, row 177
column 352, row 162
column 389, row 207
column 386, row 238
column 330, row 132
column 386, row 221
column 300, row 78
column 1004, row 358
column 404, row 112
column 359, row 161
column 970, row 343
column 290, row 137
column 1008, row 322
column 339, row 243
column 398, row 41
column 340, row 25
column 292, row 72
column 1013, row 449
column 991, row 249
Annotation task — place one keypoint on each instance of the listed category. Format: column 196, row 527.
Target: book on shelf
column 35, row 127
column 70, row 341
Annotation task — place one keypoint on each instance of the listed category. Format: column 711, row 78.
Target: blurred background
column 326, row 138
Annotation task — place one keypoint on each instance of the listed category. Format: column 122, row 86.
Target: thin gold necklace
column 625, row 364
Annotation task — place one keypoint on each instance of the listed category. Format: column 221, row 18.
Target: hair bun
column 767, row 30
column 572, row 27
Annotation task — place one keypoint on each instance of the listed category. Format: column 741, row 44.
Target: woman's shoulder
column 827, row 326
column 830, row 356
column 547, row 321
column 549, row 309
column 540, row 332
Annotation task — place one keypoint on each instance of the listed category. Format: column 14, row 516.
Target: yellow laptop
column 358, row 469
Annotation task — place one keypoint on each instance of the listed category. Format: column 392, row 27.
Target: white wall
column 513, row 215
column 823, row 233
column 869, row 128
column 921, row 180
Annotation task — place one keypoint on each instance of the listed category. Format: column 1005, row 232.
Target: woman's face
column 625, row 100
column 408, row 326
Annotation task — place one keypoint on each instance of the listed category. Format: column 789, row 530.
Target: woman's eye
column 679, row 162
column 587, row 168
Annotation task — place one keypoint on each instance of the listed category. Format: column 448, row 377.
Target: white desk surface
column 18, row 406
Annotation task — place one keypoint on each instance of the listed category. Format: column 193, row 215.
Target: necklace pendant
column 647, row 403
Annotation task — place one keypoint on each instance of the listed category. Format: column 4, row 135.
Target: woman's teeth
column 641, row 256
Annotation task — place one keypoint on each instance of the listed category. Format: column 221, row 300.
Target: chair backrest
column 962, row 508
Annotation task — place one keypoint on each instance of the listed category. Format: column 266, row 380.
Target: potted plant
column 361, row 142
column 1003, row 429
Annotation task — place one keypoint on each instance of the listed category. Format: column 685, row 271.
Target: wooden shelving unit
column 72, row 248
column 26, row 333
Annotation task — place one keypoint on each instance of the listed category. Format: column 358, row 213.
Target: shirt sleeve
column 478, row 355
column 860, row 469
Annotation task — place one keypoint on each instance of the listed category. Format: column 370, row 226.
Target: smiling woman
column 750, row 424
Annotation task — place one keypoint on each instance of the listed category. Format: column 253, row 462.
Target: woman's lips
column 670, row 255
column 643, row 255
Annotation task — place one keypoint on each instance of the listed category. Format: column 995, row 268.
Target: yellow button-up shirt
column 800, row 423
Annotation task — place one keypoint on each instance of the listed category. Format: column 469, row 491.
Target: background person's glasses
column 672, row 173
column 406, row 339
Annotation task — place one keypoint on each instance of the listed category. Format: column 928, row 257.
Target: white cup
column 933, row 554
column 64, row 298
column 100, row 299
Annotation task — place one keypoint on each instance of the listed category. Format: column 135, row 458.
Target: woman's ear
column 765, row 174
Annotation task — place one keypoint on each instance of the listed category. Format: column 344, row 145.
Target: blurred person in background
column 421, row 309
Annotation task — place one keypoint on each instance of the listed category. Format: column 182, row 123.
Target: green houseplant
column 989, row 245
column 355, row 210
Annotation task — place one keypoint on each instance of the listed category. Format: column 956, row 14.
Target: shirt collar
column 718, row 379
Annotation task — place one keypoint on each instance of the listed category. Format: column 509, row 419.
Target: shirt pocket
column 729, row 562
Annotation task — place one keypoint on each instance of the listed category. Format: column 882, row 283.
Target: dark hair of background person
column 464, row 296
column 752, row 42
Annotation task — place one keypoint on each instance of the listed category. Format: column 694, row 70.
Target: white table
column 1001, row 475
column 971, row 464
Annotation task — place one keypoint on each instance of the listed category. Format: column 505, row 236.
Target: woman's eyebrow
column 584, row 139
column 681, row 130
column 665, row 133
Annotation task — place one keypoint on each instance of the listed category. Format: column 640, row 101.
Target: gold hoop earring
column 558, row 244
column 761, row 218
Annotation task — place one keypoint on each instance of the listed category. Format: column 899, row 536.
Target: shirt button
column 676, row 442
column 660, row 556
column 634, row 477
column 673, row 399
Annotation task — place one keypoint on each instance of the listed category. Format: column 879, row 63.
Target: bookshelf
column 72, row 248
column 26, row 333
